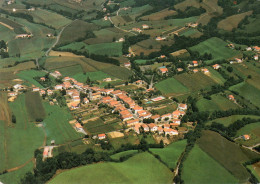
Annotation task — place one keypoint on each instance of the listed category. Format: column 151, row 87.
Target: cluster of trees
column 100, row 58
column 190, row 11
column 46, row 169
column 3, row 49
column 232, row 129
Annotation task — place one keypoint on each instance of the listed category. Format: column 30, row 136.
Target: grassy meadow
column 171, row 85
column 137, row 169
column 28, row 76
column 253, row 130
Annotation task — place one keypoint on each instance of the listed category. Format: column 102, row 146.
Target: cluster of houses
column 144, row 26
column 24, row 36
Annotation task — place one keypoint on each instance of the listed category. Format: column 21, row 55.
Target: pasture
column 76, row 30
column 232, row 22
column 57, row 127
column 216, row 47
column 118, row 72
column 21, row 66
column 137, row 169
column 71, row 70
column 253, row 130
column 165, row 109
column 19, row 140
column 99, row 75
column 33, row 102
column 255, row 169
column 228, row 154
column 191, row 33
column 226, row 121
column 199, row 167
column 171, row 86
column 28, row 76
column 140, row 61
column 215, row 75
column 217, row 102
column 171, row 153
column 49, row 18
column 11, row 25
column 6, row 34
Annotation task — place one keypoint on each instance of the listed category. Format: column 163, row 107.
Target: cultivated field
column 200, row 167
column 217, row 102
column 216, row 47
column 33, row 102
column 171, row 153
column 171, row 85
column 228, row 154
column 5, row 113
column 138, row 169
column 232, row 22
column 11, row 25
column 99, row 75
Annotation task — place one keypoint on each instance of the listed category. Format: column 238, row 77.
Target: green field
column 227, row 153
column 71, row 70
column 169, row 108
column 123, row 154
column 15, row 176
column 34, row 106
column 49, row 18
column 92, row 75
column 171, row 153
column 171, row 85
column 226, row 121
column 57, row 127
column 140, row 61
column 199, row 167
column 216, row 76
column 196, row 81
column 21, row 139
column 255, row 169
column 6, row 34
column 28, row 76
column 118, row 72
column 138, row 169
column 253, row 130
column 216, row 47
column 217, row 102
column 248, row 91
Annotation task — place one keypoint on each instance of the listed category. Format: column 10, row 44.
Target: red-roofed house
column 101, row 136
column 246, row 137
column 195, row 63
column 182, row 107
column 127, row 117
column 160, row 130
column 132, row 122
column 169, row 131
column 137, row 108
column 163, row 70
column 176, row 114
column 216, row 66
column 152, row 127
column 145, row 127
column 177, row 121
column 165, row 116
column 86, row 100
column 36, row 89
column 155, row 118
column 127, row 64
column 231, row 97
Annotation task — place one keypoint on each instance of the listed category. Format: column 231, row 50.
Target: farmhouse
column 216, row 66
column 137, row 30
column 246, row 137
column 18, row 86
column 36, row 89
column 195, row 70
column 78, row 126
column 160, row 38
column 45, row 152
column 195, row 63
column 85, row 100
column 12, row 94
column 256, row 48
column 42, row 79
column 23, row 36
column 49, row 92
column 58, row 87
column 127, row 64
column 107, row 80
column 238, row 60
column 121, row 40
column 42, row 92
column 163, row 70
column 101, row 136
column 256, row 57
column 205, row 70
column 177, row 121
column 231, row 97
column 145, row 26
column 179, row 69
column 139, row 82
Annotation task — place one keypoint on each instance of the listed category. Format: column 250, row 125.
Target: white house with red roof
column 101, row 136
column 169, row 131
column 36, row 89
column 156, row 118
column 195, row 63
column 182, row 106
column 132, row 122
column 152, row 127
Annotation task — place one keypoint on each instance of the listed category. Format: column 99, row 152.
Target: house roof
column 101, row 135
column 151, row 125
column 166, row 115
column 132, row 121
column 182, row 105
column 163, row 70
column 155, row 116
column 195, row 62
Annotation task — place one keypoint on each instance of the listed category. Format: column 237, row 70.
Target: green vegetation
column 199, row 167
column 226, row 121
column 118, row 72
column 57, row 127
column 99, row 126
column 71, row 70
column 216, row 47
column 217, row 102
column 227, row 153
column 171, row 85
column 171, row 153
column 34, row 106
column 255, row 169
column 138, row 169
column 117, row 156
column 140, row 61
column 22, row 138
column 28, row 75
